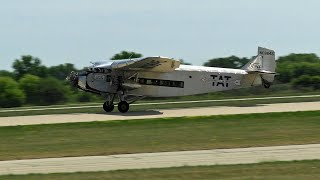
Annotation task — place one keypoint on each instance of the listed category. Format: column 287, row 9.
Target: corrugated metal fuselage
column 196, row 80
column 191, row 80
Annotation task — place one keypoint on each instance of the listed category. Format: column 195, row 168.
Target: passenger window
column 157, row 82
column 142, row 81
column 174, row 84
column 181, row 84
column 108, row 78
column 154, row 82
column 149, row 82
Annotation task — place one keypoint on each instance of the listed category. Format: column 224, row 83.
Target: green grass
column 296, row 170
column 155, row 135
column 134, row 108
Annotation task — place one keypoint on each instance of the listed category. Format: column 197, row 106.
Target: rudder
column 264, row 64
column 265, row 61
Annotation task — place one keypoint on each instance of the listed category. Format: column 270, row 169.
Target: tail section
column 263, row 64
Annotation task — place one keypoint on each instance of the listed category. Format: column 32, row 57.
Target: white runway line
column 159, row 103
column 165, row 113
column 162, row 159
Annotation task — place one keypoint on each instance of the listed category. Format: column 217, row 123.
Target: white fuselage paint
column 196, row 80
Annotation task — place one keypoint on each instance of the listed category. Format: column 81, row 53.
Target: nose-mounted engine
column 73, row 78
column 104, row 81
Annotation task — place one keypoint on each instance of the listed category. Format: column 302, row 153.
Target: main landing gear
column 108, row 107
column 124, row 102
column 123, row 107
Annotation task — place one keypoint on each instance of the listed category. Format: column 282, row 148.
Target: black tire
column 267, row 85
column 123, row 106
column 107, row 107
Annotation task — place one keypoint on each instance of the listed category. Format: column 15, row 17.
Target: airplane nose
column 73, row 78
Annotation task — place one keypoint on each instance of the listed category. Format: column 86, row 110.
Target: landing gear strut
column 124, row 99
column 124, row 102
column 108, row 106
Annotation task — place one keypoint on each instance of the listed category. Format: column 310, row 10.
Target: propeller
column 73, row 78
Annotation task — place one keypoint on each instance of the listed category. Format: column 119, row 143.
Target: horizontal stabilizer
column 261, row 72
column 263, row 64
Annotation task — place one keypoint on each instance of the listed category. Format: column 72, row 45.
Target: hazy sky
column 80, row 31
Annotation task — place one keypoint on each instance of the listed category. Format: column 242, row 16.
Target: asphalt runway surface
column 204, row 111
column 162, row 159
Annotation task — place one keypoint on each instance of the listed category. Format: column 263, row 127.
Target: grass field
column 296, row 170
column 98, row 107
column 155, row 135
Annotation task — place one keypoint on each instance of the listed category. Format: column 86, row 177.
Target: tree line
column 33, row 83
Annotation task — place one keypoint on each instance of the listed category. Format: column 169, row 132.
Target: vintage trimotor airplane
column 134, row 79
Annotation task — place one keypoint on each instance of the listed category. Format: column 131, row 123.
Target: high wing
column 153, row 64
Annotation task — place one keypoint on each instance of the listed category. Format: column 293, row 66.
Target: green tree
column 228, row 62
column 30, row 84
column 6, row 73
column 29, row 65
column 295, row 65
column 307, row 81
column 52, row 91
column 85, row 97
column 61, row 71
column 285, row 72
column 298, row 58
column 126, row 55
column 306, row 68
column 10, row 93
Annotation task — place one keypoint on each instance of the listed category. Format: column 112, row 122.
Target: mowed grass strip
column 156, row 135
column 295, row 170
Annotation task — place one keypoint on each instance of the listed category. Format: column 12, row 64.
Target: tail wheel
column 107, row 107
column 267, row 85
column 123, row 106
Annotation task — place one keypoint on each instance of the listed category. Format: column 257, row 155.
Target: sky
column 80, row 31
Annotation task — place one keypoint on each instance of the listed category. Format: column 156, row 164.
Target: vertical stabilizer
column 265, row 61
column 263, row 64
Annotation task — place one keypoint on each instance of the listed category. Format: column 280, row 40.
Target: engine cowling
column 73, row 78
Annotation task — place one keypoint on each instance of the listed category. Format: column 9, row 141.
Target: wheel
column 267, row 85
column 107, row 107
column 123, row 106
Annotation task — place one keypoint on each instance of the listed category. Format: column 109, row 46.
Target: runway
column 220, row 110
column 98, row 105
column 162, row 159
